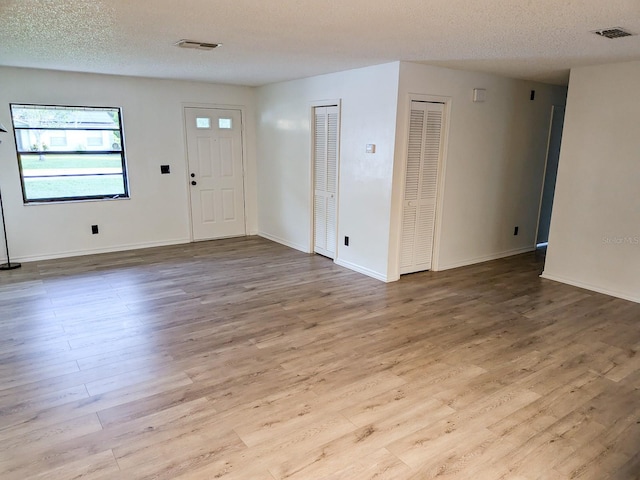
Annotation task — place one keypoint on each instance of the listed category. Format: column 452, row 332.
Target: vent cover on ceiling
column 197, row 45
column 613, row 32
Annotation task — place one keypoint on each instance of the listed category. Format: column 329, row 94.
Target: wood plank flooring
column 243, row 359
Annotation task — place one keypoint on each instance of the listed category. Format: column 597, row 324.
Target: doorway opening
column 550, row 175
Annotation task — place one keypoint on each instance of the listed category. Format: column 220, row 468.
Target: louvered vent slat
column 408, row 236
column 320, row 217
column 432, row 156
column 332, row 152
column 331, row 224
column 320, row 152
column 414, row 156
column 424, row 234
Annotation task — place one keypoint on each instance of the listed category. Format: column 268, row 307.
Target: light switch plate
column 479, row 94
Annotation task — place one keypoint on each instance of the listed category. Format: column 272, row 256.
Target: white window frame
column 46, row 126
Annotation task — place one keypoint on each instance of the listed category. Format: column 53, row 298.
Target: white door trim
column 242, row 109
column 312, row 106
column 417, row 97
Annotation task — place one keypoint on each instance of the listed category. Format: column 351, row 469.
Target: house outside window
column 70, row 153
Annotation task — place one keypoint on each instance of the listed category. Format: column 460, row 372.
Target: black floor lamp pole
column 8, row 265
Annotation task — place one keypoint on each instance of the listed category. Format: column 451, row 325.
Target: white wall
column 595, row 226
column 494, row 170
column 494, row 164
column 368, row 101
column 157, row 212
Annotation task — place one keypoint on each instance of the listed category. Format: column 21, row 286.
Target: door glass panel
column 224, row 123
column 203, row 122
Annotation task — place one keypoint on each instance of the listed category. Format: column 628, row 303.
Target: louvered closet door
column 421, row 181
column 325, row 179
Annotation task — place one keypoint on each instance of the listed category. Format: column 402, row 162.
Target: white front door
column 325, row 173
column 214, row 151
column 421, row 185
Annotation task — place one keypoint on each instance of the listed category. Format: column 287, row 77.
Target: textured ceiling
column 267, row 41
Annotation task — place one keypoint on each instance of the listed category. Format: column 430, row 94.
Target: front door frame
column 243, row 152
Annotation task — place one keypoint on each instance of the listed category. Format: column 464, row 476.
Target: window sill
column 64, row 202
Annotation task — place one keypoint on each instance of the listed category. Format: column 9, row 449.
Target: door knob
column 193, row 175
column 193, row 182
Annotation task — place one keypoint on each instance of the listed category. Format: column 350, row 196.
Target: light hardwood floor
column 243, row 359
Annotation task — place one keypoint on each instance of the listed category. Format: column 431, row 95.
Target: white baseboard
column 93, row 251
column 284, row 242
column 593, row 288
column 486, row 258
column 365, row 271
column 342, row 263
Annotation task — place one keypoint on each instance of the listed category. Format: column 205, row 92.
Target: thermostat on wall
column 371, row 148
column 479, row 94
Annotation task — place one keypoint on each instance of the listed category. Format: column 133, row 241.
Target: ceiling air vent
column 613, row 32
column 196, row 45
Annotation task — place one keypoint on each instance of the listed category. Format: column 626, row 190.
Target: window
column 59, row 140
column 203, row 122
column 70, row 153
column 224, row 123
column 95, row 141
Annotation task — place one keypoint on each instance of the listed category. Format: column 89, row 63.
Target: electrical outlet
column 94, row 229
column 516, row 230
column 346, row 241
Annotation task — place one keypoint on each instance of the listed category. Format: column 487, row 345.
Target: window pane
column 203, row 122
column 39, row 116
column 43, row 188
column 95, row 142
column 42, row 140
column 224, row 123
column 58, row 141
column 34, row 165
